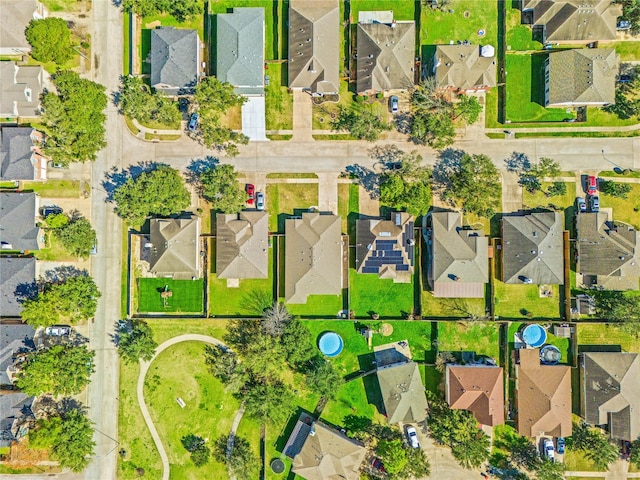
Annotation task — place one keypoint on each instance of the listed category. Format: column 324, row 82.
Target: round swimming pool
column 330, row 344
column 550, row 355
column 534, row 335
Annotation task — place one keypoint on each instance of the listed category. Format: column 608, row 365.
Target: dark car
column 50, row 210
column 393, row 104
column 560, row 445
column 251, row 191
column 582, row 205
column 378, row 465
column 594, row 203
column 193, row 122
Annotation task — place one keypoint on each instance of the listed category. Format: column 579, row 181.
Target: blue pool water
column 330, row 344
column 534, row 335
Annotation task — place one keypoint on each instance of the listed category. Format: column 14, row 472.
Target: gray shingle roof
column 402, row 392
column 175, row 252
column 532, row 248
column 15, row 153
column 17, row 282
column 18, row 228
column 586, row 76
column 16, row 15
column 175, row 58
column 14, row 338
column 314, row 45
column 242, row 245
column 14, row 408
column 611, row 392
column 385, row 56
column 20, row 89
column 462, row 66
column 240, row 49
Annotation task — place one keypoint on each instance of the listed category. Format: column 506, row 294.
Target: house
column 14, row 339
column 465, row 68
column 20, row 155
column 578, row 78
column 386, row 247
column 314, row 46
column 610, row 383
column 16, row 415
column 15, row 17
column 320, row 452
column 175, row 60
column 386, row 52
column 477, row 388
column 458, row 257
column 17, row 282
column 543, row 396
column 608, row 252
column 401, row 386
column 532, row 248
column 20, row 90
column 175, row 249
column 18, row 230
column 574, row 21
column 313, row 256
column 242, row 245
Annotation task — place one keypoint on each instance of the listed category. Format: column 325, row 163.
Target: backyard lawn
column 469, row 18
column 348, row 206
column 624, row 210
column 628, row 51
column 279, row 102
column 402, row 9
column 479, row 337
column 433, row 307
column 187, row 295
column 608, row 334
column 519, row 36
column 368, row 293
column 326, row 306
column 515, row 301
column 285, row 200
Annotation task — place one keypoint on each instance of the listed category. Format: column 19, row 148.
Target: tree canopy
column 59, row 370
column 74, row 119
column 360, row 121
column 181, row 10
column 220, row 187
column 242, row 463
column 157, row 192
column 137, row 101
column 50, row 40
column 407, row 185
column 77, row 236
column 594, row 444
column 196, row 446
column 614, row 189
column 619, row 307
column 136, row 343
column 627, row 104
column 393, row 455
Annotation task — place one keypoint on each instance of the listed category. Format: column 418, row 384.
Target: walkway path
column 144, row 367
column 511, row 192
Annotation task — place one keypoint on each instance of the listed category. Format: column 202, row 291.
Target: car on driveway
column 260, row 201
column 592, row 185
column 251, row 191
column 394, row 104
column 58, row 330
column 378, row 465
column 193, row 122
column 548, row 449
column 594, row 203
column 560, row 445
column 581, row 204
column 50, row 210
column 412, row 437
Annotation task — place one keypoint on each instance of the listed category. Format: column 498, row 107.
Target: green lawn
column 402, row 9
column 54, row 188
column 565, row 202
column 53, row 250
column 279, row 102
column 607, row 334
column 624, row 210
column 368, row 293
column 479, row 337
column 575, row 460
column 166, row 20
column 512, row 300
column 433, row 307
column 348, row 206
column 468, row 17
column 187, row 295
column 327, row 306
column 288, row 199
column 628, row 51
column 519, row 36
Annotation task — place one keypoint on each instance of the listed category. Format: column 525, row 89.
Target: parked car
column 378, row 465
column 393, row 103
column 560, row 445
column 581, row 204
column 50, row 210
column 592, row 185
column 58, row 330
column 251, row 190
column 412, row 437
column 594, row 203
column 569, row 120
column 260, row 201
column 193, row 122
column 623, row 25
column 548, row 449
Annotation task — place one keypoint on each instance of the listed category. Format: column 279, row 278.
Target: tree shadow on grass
column 367, row 178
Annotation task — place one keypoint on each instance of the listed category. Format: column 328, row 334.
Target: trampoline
column 550, row 355
column 330, row 344
column 277, row 466
column 534, row 335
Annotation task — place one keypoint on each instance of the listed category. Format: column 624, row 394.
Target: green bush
column 379, row 95
column 360, row 99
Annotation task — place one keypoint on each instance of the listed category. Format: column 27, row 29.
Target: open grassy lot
column 467, row 19
column 285, row 200
column 402, row 9
column 607, row 334
column 624, row 210
column 187, row 295
column 348, row 206
column 479, row 337
column 575, row 460
column 54, row 188
column 514, row 301
column 327, row 306
column 368, row 293
column 433, row 307
column 279, row 102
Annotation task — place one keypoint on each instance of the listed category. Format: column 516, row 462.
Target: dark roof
column 175, row 54
column 14, row 338
column 13, row 408
column 17, row 282
column 18, row 229
column 15, row 153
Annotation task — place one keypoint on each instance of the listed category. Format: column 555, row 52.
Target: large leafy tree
column 615, row 189
column 196, row 446
column 77, row 236
column 467, row 108
column 137, row 101
column 532, row 175
column 180, row 9
column 157, row 192
column 242, row 463
column 50, row 40
column 393, row 455
column 635, row 452
column 72, row 300
column 136, row 343
column 360, row 121
column 549, row 470
column 297, row 343
column 323, row 378
column 74, row 119
column 407, row 187
column 594, row 444
column 68, row 436
column 59, row 370
column 220, row 186
column 619, row 307
column 212, row 99
column 268, row 400
column 627, row 104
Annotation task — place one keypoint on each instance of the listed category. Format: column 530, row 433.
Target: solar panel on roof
column 402, row 268
column 370, row 270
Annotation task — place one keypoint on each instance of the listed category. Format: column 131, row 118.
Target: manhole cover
column 277, row 465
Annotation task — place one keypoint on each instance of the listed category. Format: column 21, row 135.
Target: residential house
column 608, row 252
column 401, row 386
column 574, row 21
column 580, row 78
column 465, row 68
column 543, row 396
column 313, row 257
column 386, row 52
column 386, row 247
column 458, row 257
column 314, row 46
column 240, row 62
column 242, row 245
column 17, row 282
column 175, row 60
column 20, row 90
column 610, row 396
column 532, row 248
column 14, row 19
column 18, row 229
column 320, row 452
column 477, row 388
column 175, row 249
column 21, row 157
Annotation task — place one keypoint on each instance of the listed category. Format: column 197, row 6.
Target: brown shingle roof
column 242, row 245
column 479, row 389
column 462, row 66
column 175, row 252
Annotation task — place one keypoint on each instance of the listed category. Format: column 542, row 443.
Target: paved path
column 511, row 192
column 302, row 116
column 144, row 367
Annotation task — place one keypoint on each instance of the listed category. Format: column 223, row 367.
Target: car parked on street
column 548, row 449
column 260, row 201
column 592, row 185
column 412, row 437
column 581, row 204
column 251, row 191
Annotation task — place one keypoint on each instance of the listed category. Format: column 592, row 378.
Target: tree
column 220, row 186
column 269, row 401
column 595, row 445
column 182, row 10
column 77, row 236
column 473, row 183
column 74, row 119
column 615, row 189
column 68, row 436
column 275, row 320
column 417, row 464
column 468, row 108
column 212, row 99
column 393, row 455
column 297, row 343
column 323, row 378
column 56, row 220
column 557, row 189
column 549, row 470
column 433, row 128
column 360, row 121
column 72, row 300
column 619, row 307
column 137, row 101
column 242, row 462
column 224, row 365
column 195, row 445
column 408, row 187
column 532, row 175
column 157, row 192
column 136, row 343
column 50, row 40
column 635, row 452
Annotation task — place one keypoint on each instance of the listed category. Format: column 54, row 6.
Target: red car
column 592, row 185
column 251, row 190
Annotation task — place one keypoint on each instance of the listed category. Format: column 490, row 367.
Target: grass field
column 54, row 188
column 187, row 295
column 513, row 300
column 284, row 199
column 278, row 101
column 467, row 19
column 433, row 307
column 540, row 200
column 53, row 250
column 624, row 210
column 479, row 337
column 327, row 306
column 608, row 334
column 348, row 206
column 519, row 36
column 368, row 293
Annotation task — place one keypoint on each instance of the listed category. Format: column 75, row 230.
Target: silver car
column 260, row 201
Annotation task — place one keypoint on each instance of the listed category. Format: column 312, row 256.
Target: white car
column 548, row 450
column 412, row 437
